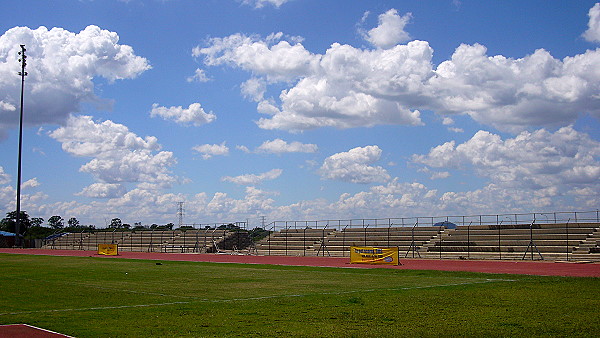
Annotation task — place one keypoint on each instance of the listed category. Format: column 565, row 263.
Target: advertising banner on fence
column 370, row 255
column 108, row 249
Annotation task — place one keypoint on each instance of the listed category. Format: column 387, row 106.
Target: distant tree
column 79, row 228
column 116, row 223
column 73, row 222
column 38, row 232
column 56, row 222
column 229, row 226
column 258, row 233
column 37, row 221
column 170, row 226
column 9, row 222
column 126, row 226
column 154, row 226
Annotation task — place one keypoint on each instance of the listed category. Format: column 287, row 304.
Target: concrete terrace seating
column 331, row 242
column 548, row 241
column 85, row 240
column 150, row 241
column 508, row 241
column 295, row 242
column 195, row 241
column 192, row 240
column 404, row 238
column 69, row 241
column 93, row 239
column 589, row 248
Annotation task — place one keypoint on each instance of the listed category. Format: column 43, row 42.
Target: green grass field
column 93, row 297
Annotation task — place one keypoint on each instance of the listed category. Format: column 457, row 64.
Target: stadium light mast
column 22, row 73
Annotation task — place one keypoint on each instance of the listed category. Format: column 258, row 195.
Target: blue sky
column 300, row 109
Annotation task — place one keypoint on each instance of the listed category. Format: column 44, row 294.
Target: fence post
column 567, row 228
column 388, row 235
column 499, row 245
column 269, row 241
column 286, row 237
column 441, row 242
column 344, row 241
column 365, row 231
column 469, row 241
column 303, row 241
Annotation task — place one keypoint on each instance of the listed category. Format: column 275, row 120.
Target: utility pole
column 22, row 73
column 263, row 220
column 180, row 213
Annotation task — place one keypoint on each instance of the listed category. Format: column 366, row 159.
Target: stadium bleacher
column 293, row 242
column 441, row 240
column 533, row 241
column 556, row 241
column 147, row 240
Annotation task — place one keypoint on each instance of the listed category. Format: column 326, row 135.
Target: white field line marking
column 255, row 298
column 93, row 308
column 472, row 281
column 107, row 288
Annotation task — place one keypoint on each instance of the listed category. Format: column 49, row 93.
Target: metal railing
column 500, row 225
column 313, row 237
column 204, row 238
column 489, row 219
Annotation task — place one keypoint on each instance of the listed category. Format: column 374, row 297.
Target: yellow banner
column 370, row 255
column 108, row 249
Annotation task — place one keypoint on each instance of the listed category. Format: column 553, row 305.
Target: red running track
column 541, row 268
column 27, row 331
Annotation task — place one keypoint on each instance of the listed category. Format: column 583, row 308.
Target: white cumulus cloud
column 279, row 146
column 355, row 166
column 276, row 59
column 254, row 89
column 349, row 87
column 390, row 30
column 263, row 3
column 533, row 160
column 199, row 76
column 6, row 107
column 512, row 94
column 210, row 150
column 32, row 183
column 103, row 190
column 4, row 177
column 61, row 67
column 354, row 88
column 592, row 34
column 253, row 179
column 194, row 114
column 118, row 155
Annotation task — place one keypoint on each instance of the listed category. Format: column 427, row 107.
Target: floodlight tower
column 22, row 73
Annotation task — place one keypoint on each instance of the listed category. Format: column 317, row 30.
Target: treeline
column 38, row 228
column 33, row 227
